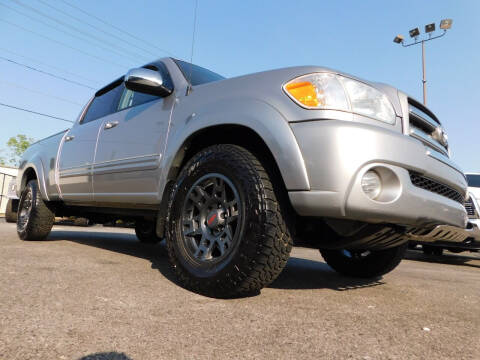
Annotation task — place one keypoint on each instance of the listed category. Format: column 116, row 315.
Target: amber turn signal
column 303, row 92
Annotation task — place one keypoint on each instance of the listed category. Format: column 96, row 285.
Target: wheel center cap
column 215, row 218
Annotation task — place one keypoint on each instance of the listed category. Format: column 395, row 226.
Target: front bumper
column 337, row 154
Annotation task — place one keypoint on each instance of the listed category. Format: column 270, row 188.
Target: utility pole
column 424, row 80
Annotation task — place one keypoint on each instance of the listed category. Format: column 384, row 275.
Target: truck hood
column 278, row 77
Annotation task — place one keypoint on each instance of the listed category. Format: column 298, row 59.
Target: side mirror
column 147, row 81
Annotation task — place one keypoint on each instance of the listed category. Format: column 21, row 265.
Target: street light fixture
column 398, row 39
column 414, row 32
column 445, row 24
column 430, row 28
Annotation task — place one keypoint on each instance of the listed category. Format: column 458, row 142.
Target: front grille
column 425, row 127
column 436, row 187
column 470, row 207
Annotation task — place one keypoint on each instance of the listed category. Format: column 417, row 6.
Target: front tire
column 364, row 263
column 35, row 219
column 227, row 232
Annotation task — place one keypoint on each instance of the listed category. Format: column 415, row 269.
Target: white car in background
column 12, row 204
column 472, row 204
column 473, row 181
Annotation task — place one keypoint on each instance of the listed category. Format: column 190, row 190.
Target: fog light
column 371, row 184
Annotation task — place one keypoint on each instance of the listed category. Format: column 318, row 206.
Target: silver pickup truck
column 232, row 172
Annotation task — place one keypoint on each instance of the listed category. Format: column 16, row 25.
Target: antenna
column 193, row 43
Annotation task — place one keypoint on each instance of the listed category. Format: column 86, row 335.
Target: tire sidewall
column 249, row 220
column 31, row 187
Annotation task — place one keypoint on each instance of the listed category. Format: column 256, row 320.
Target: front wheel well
column 226, row 134
column 222, row 134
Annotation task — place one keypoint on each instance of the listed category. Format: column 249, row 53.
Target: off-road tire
column 40, row 219
column 10, row 215
column 375, row 264
column 146, row 232
column 264, row 240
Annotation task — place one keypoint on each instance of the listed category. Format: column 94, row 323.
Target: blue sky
column 239, row 37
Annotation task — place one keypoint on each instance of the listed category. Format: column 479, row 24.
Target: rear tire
column 364, row 263
column 35, row 219
column 227, row 232
column 146, row 232
column 10, row 214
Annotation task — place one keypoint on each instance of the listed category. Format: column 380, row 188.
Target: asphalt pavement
column 97, row 293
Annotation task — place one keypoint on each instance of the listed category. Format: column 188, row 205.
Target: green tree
column 17, row 146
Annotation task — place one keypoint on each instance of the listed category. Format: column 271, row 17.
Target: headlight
column 328, row 91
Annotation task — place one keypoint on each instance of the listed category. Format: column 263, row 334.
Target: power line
column 46, row 73
column 39, row 92
column 91, row 25
column 36, row 113
column 116, row 28
column 89, row 35
column 48, row 65
column 86, row 38
column 65, row 45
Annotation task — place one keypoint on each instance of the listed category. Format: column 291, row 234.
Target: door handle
column 69, row 138
column 110, row 125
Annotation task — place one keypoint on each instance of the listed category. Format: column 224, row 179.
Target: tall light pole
column 445, row 24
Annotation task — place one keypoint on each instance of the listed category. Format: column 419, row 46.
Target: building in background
column 7, row 173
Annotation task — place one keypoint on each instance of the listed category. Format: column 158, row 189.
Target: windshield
column 473, row 180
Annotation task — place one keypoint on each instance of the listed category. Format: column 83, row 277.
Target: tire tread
column 41, row 218
column 263, row 262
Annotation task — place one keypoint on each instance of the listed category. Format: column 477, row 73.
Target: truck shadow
column 106, row 356
column 298, row 274
column 302, row 274
column 447, row 258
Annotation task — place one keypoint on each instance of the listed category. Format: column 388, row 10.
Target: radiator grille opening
column 425, row 127
column 436, row 187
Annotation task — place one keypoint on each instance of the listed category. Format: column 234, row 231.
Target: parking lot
column 97, row 290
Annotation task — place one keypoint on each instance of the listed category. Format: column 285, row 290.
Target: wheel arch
column 32, row 171
column 240, row 135
column 230, row 133
column 251, row 123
